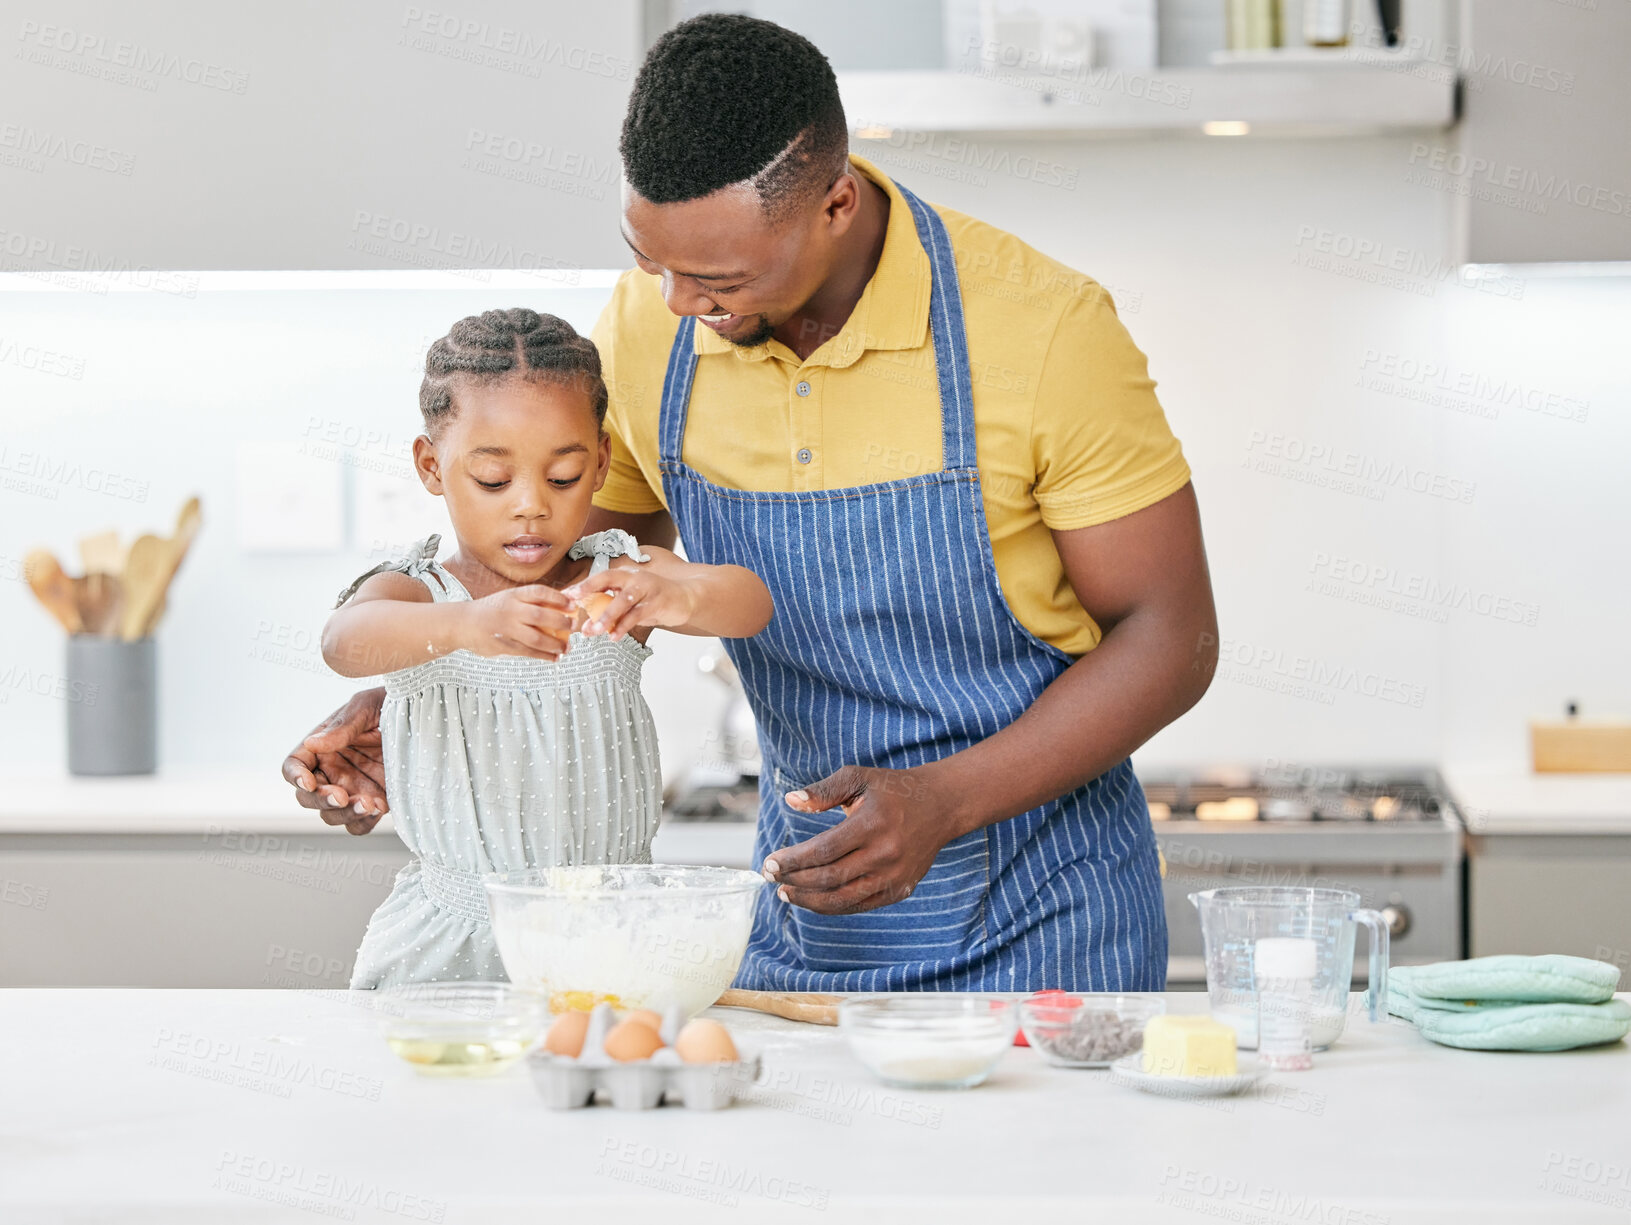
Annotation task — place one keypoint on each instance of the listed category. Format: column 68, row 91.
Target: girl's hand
column 534, row 621
column 638, row 596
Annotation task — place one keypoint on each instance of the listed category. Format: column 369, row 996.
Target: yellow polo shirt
column 1068, row 431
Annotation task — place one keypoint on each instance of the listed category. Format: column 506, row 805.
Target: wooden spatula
column 102, row 553
column 793, row 1005
column 54, row 589
column 147, row 573
column 187, row 524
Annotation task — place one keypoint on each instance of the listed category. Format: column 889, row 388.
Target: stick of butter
column 1188, row 1046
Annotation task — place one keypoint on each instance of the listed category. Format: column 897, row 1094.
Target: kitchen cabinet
column 1543, row 165
column 1534, row 893
column 1548, row 861
column 314, row 135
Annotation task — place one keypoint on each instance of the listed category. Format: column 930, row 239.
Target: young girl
column 514, row 732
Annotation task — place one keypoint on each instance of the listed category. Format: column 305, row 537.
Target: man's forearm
column 1145, row 672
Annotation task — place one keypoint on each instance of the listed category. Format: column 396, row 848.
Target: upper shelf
column 1341, row 97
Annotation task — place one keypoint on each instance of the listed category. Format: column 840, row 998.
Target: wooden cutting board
column 807, row 1006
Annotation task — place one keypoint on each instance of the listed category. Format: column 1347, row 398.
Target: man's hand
column 638, row 597
column 893, row 827
column 339, row 769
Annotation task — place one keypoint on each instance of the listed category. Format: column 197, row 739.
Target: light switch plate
column 288, row 500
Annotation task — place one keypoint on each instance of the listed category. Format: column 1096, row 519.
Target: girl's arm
column 714, row 601
column 391, row 623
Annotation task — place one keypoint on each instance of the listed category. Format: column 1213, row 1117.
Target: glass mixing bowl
column 462, row 1028
column 928, row 1040
column 631, row 935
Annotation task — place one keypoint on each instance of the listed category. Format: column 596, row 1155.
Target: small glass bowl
column 928, row 1041
column 1087, row 1031
column 463, row 1028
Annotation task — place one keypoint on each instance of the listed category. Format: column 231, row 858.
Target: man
column 943, row 453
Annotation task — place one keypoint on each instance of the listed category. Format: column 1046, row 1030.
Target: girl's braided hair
column 498, row 344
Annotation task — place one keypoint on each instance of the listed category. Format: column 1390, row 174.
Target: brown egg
column 646, row 1017
column 705, row 1041
column 628, row 1041
column 565, row 1037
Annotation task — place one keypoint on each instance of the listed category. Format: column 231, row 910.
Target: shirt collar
column 893, row 310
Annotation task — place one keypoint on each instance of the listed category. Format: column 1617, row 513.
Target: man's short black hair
column 722, row 99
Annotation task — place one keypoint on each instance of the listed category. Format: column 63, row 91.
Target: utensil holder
column 112, row 705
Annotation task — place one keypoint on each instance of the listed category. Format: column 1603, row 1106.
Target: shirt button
column 804, row 456
column 803, row 389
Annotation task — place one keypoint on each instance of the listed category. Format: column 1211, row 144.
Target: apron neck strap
column 945, row 328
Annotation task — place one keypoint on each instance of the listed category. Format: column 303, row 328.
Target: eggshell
column 592, row 605
column 565, row 1037
column 646, row 1017
column 630, row 1041
column 705, row 1041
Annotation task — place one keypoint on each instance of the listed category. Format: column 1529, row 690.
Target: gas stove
column 1392, row 835
column 1293, row 794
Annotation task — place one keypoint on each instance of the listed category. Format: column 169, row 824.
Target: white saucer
column 1129, row 1071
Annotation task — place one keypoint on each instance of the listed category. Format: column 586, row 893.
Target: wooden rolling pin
column 804, row 1006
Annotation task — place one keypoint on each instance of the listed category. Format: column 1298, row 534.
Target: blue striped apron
column 892, row 645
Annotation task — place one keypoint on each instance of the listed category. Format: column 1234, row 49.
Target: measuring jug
column 1234, row 919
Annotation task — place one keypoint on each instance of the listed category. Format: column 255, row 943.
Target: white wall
column 149, row 397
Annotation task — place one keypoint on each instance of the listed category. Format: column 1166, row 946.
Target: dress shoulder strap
column 603, row 546
column 419, row 562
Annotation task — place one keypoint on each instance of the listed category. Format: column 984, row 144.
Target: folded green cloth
column 1511, row 1003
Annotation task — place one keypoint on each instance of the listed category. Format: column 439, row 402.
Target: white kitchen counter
column 1514, row 800
column 212, row 1106
column 203, row 802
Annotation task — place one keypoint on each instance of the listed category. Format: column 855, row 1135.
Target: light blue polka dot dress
column 494, row 764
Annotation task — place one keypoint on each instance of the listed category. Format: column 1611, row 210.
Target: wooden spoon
column 147, row 572
column 804, row 1006
column 98, row 598
column 54, row 589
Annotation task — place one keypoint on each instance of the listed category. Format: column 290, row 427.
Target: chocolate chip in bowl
column 1089, row 1030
